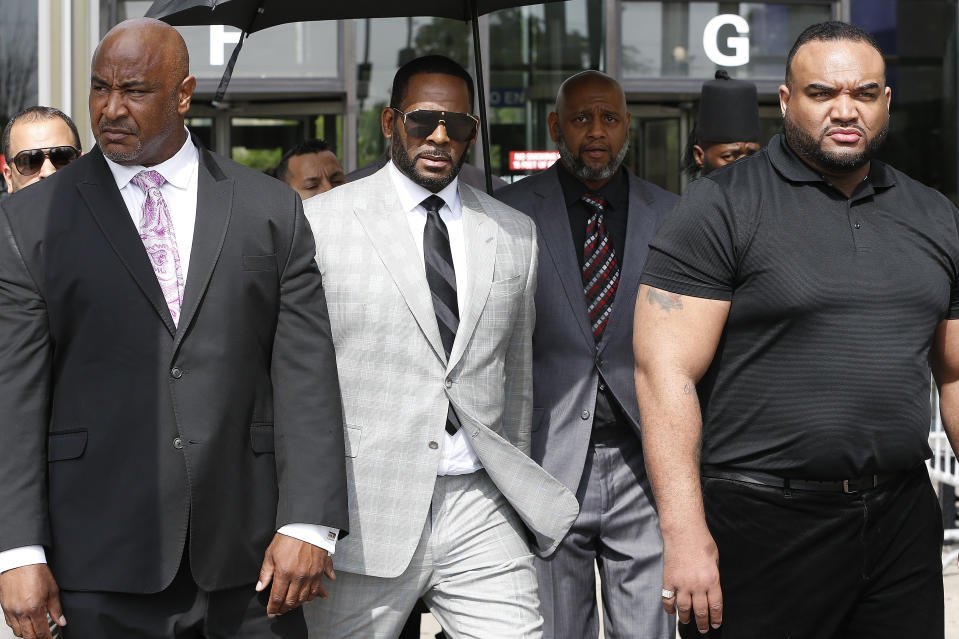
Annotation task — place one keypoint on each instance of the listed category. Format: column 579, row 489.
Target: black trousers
column 182, row 611
column 815, row 565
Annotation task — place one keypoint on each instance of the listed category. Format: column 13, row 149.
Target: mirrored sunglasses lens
column 61, row 156
column 459, row 126
column 419, row 124
column 28, row 162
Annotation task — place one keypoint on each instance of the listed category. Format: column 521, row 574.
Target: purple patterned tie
column 159, row 240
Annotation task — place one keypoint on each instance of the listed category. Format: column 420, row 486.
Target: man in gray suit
column 430, row 287
column 594, row 220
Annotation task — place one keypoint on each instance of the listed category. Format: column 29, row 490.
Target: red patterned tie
column 600, row 268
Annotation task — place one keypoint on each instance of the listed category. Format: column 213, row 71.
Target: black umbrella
column 254, row 15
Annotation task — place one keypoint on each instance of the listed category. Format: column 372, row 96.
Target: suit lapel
column 640, row 226
column 385, row 224
column 552, row 221
column 101, row 196
column 480, row 234
column 214, row 205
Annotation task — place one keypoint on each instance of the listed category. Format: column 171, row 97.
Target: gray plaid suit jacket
column 396, row 381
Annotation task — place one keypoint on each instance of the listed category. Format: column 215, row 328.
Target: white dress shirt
column 179, row 191
column 458, row 458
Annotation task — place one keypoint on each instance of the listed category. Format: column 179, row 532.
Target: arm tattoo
column 688, row 389
column 666, row 301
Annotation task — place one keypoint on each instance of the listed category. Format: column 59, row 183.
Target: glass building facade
column 331, row 79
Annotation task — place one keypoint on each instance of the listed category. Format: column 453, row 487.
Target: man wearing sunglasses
column 430, row 285
column 37, row 142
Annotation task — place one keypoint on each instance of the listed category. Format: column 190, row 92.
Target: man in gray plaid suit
column 430, row 287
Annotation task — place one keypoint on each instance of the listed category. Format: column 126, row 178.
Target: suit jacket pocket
column 259, row 262
column 261, row 438
column 508, row 285
column 66, row 445
column 352, row 439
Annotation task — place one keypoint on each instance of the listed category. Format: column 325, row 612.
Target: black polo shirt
column 607, row 411
column 822, row 370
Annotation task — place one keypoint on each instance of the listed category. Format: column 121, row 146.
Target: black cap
column 728, row 111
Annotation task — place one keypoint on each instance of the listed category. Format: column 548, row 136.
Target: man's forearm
column 672, row 426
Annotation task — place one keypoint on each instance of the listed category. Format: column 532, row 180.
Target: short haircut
column 831, row 30
column 32, row 114
column 428, row 64
column 306, row 147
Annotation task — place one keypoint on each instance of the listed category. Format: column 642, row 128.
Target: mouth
column 435, row 161
column 845, row 135
column 596, row 153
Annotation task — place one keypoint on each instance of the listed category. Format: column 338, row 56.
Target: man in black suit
column 594, row 220
column 172, row 428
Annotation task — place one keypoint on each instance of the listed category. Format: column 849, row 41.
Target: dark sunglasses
column 421, row 122
column 30, row 161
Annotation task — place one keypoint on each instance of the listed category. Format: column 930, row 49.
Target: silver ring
column 668, row 594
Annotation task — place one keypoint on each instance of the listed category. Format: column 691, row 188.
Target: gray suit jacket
column 397, row 382
column 566, row 360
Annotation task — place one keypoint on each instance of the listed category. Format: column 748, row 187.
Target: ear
column 7, row 177
column 387, row 117
column 552, row 120
column 784, row 96
column 699, row 155
column 185, row 94
column 888, row 93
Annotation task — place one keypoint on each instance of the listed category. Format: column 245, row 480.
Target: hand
column 27, row 594
column 296, row 569
column 691, row 570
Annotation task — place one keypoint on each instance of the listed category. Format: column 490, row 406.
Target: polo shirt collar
column 791, row 167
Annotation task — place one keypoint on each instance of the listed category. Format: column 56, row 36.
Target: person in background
column 37, row 142
column 727, row 128
column 310, row 168
column 594, row 219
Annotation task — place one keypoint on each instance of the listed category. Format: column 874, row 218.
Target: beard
column 407, row 165
column 575, row 164
column 811, row 148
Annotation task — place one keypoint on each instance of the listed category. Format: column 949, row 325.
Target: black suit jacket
column 122, row 433
column 567, row 362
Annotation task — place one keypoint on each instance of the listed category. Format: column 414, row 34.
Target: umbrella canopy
column 255, row 15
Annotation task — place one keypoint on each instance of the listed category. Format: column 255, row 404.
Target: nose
column 439, row 136
column 114, row 107
column 844, row 108
column 47, row 169
column 324, row 186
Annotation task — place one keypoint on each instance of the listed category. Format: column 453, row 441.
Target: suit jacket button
column 176, row 373
column 584, row 414
column 434, row 445
column 449, row 383
column 178, row 443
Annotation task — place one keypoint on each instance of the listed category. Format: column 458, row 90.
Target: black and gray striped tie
column 442, row 280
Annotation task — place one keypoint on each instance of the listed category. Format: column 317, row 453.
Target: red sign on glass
column 532, row 160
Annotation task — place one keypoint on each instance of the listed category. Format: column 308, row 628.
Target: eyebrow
column 817, row 86
column 123, row 85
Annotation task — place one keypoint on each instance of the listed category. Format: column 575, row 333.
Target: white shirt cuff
column 20, row 557
column 321, row 536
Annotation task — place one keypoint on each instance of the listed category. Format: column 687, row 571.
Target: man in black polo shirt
column 594, row 221
column 789, row 311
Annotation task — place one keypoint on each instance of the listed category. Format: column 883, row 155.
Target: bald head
column 591, row 127
column 585, row 81
column 140, row 91
column 153, row 35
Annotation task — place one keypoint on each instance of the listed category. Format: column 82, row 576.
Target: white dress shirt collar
column 176, row 170
column 412, row 194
